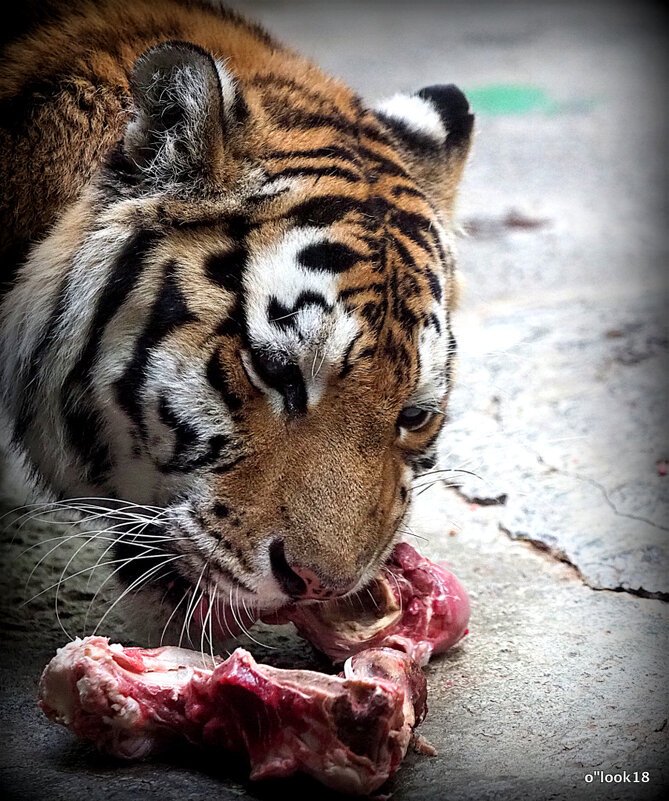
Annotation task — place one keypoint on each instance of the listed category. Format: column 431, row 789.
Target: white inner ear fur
column 416, row 113
column 188, row 87
column 228, row 85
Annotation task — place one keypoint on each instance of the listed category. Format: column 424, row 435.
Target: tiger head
column 243, row 325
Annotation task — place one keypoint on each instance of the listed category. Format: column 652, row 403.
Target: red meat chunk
column 349, row 731
column 415, row 606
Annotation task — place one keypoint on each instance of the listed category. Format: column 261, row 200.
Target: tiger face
column 243, row 326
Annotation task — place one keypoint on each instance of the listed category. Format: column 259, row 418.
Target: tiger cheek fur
column 241, row 298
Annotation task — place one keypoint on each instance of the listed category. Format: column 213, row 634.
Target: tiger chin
column 227, row 286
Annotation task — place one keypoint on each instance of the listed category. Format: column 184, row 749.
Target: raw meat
column 415, row 606
column 349, row 731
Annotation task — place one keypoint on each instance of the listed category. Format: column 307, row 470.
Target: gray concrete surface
column 560, row 532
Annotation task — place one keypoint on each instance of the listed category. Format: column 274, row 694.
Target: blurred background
column 559, row 530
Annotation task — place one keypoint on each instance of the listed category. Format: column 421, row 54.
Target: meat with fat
column 414, row 605
column 350, row 731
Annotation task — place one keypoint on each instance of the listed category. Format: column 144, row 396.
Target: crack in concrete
column 603, row 491
column 560, row 556
column 639, row 592
column 479, row 500
column 556, row 553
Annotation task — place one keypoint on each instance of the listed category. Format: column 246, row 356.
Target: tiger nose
column 295, row 580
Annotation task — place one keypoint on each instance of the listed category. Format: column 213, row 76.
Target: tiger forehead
column 313, row 272
column 332, row 252
column 329, row 297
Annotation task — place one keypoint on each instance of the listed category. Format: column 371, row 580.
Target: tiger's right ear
column 185, row 105
column 433, row 128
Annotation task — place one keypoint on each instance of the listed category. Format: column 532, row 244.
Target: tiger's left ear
column 433, row 128
column 186, row 109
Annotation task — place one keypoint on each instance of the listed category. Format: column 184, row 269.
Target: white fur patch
column 433, row 344
column 416, row 113
column 316, row 338
column 228, row 85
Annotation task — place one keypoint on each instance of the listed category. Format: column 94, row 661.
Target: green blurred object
column 506, row 99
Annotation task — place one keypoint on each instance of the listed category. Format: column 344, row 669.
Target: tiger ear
column 433, row 128
column 184, row 104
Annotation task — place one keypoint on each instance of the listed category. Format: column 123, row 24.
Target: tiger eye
column 413, row 417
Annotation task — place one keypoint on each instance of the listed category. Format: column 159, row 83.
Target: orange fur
column 332, row 479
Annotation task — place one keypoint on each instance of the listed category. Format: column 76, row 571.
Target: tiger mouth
column 211, row 602
column 220, row 619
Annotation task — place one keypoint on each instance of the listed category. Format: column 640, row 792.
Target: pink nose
column 297, row 581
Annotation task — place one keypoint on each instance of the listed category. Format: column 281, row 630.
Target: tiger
column 228, row 284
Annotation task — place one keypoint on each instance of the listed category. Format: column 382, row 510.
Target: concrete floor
column 561, row 534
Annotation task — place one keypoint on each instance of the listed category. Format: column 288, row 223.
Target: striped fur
column 242, row 276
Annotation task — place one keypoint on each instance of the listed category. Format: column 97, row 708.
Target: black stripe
column 425, row 462
column 240, row 110
column 284, row 316
column 347, row 365
column 254, row 201
column 400, row 290
column 377, row 133
column 367, row 353
column 402, row 189
column 333, row 257
column 432, row 279
column 185, row 435
column 82, row 421
column 404, row 254
column 186, row 456
column 383, row 164
column 168, row 313
column 217, row 376
column 186, row 463
column 225, row 468
column 375, row 287
column 334, row 151
column 269, row 81
column 373, row 312
column 227, row 269
column 432, row 441
column 238, row 226
column 84, row 424
column 230, row 326
column 415, row 227
column 445, row 258
column 402, row 367
column 415, row 141
column 435, row 286
column 308, row 120
column 326, row 210
column 122, row 280
column 28, row 377
column 323, row 172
